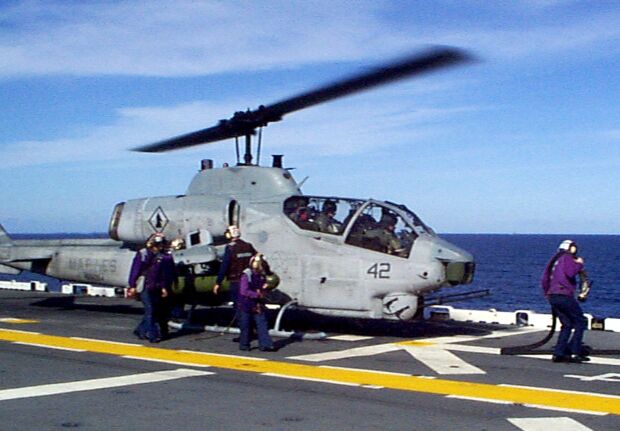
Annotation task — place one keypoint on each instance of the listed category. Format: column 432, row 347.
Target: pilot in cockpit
column 298, row 211
column 326, row 221
column 384, row 237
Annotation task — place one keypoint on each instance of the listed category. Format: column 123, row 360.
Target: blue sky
column 526, row 140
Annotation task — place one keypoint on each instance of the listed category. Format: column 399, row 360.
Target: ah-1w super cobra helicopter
column 334, row 256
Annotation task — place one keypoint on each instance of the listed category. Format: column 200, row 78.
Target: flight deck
column 70, row 361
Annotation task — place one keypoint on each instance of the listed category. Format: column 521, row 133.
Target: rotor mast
column 247, row 157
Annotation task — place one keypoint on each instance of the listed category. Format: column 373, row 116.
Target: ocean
column 509, row 266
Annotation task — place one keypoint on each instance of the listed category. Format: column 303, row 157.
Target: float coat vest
column 240, row 254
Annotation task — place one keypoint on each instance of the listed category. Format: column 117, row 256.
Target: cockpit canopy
column 380, row 226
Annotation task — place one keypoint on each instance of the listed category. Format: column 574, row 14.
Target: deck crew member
column 236, row 259
column 251, row 309
column 559, row 284
column 153, row 269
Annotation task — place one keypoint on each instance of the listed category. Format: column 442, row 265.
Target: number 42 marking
column 380, row 270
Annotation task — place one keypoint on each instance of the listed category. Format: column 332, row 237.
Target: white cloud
column 164, row 38
column 186, row 38
column 357, row 127
column 133, row 127
column 352, row 126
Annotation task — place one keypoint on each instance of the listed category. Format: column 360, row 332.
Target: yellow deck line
column 531, row 396
column 415, row 343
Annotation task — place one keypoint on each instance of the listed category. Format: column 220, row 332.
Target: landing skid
column 230, row 329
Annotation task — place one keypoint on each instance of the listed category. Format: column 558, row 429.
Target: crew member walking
column 559, row 283
column 251, row 309
column 152, row 272
column 236, row 259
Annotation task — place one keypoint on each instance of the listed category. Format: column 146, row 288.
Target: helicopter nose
column 459, row 264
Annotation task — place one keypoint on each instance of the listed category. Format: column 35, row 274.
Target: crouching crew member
column 250, row 306
column 151, row 276
column 559, row 285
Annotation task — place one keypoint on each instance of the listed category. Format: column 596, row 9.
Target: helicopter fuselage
column 336, row 256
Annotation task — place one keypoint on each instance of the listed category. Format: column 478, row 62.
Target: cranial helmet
column 157, row 239
column 232, row 232
column 566, row 245
column 258, row 262
column 177, row 244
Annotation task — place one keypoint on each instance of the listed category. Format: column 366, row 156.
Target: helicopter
column 335, row 256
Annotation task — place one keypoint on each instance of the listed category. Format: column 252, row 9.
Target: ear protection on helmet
column 156, row 239
column 259, row 263
column 566, row 245
column 232, row 232
column 177, row 244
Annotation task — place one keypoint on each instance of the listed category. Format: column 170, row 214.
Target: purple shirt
column 158, row 270
column 249, row 291
column 562, row 276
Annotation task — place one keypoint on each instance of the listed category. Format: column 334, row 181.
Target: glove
column 585, row 289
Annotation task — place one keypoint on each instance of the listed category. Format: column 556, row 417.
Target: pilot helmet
column 329, row 206
column 567, row 244
column 388, row 219
column 232, row 232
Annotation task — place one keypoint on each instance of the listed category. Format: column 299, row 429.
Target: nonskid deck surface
column 71, row 354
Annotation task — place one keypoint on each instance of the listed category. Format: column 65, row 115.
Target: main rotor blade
column 245, row 123
column 204, row 136
column 404, row 68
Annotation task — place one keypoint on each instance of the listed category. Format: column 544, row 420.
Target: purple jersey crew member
column 559, row 283
column 157, row 268
column 251, row 309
